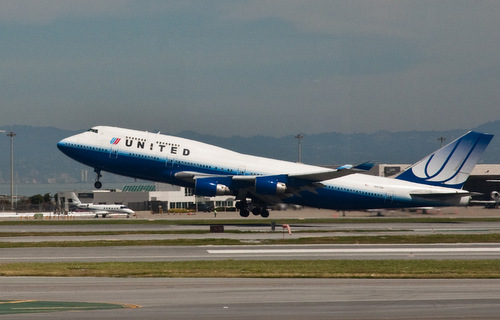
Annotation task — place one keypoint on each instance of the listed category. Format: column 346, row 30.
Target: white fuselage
column 105, row 208
column 158, row 157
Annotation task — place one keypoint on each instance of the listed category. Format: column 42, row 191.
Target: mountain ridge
column 37, row 159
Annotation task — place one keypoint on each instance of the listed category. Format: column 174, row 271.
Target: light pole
column 299, row 137
column 442, row 140
column 11, row 134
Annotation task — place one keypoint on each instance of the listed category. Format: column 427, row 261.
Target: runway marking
column 107, row 258
column 35, row 306
column 363, row 250
column 15, row 301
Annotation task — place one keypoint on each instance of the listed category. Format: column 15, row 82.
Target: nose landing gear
column 97, row 183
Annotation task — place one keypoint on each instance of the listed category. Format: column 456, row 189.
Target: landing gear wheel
column 244, row 213
column 241, row 204
column 98, row 184
column 264, row 213
column 256, row 211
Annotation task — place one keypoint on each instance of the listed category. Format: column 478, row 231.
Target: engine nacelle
column 269, row 185
column 210, row 187
column 495, row 196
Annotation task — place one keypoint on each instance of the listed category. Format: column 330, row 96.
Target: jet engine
column 269, row 185
column 495, row 196
column 211, row 187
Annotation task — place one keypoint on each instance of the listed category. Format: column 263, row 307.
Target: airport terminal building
column 155, row 197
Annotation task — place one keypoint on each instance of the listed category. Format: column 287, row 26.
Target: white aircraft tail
column 451, row 165
column 73, row 199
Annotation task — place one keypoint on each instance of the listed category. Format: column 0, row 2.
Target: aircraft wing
column 318, row 176
column 484, row 202
column 269, row 189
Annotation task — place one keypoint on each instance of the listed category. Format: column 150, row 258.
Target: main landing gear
column 245, row 210
column 97, row 183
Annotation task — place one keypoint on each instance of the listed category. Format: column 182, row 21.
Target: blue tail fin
column 451, row 165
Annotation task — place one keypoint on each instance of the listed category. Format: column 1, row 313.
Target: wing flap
column 328, row 174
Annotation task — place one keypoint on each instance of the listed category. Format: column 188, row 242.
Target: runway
column 264, row 298
column 250, row 232
column 251, row 252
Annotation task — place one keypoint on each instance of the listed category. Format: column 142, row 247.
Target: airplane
column 493, row 203
column 102, row 209
column 258, row 182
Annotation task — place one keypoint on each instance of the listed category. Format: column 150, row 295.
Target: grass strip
column 108, row 233
column 382, row 239
column 253, row 222
column 397, row 269
column 177, row 232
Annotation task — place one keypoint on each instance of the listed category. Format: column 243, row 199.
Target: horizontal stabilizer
column 435, row 196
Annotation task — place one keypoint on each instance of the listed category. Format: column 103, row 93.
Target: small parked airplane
column 99, row 209
column 493, row 203
column 434, row 181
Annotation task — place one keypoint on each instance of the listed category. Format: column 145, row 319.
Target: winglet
column 345, row 167
column 451, row 165
column 365, row 166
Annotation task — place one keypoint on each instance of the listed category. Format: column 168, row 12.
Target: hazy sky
column 250, row 67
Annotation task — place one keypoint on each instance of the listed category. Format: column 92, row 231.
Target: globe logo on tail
column 451, row 165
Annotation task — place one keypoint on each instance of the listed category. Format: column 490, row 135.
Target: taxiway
column 264, row 298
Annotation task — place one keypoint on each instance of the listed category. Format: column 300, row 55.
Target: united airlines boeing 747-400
column 434, row 181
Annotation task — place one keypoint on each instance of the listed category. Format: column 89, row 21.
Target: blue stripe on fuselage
column 331, row 198
column 134, row 165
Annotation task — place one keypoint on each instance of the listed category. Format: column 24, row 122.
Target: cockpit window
column 93, row 130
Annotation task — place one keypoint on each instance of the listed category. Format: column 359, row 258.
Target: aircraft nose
column 63, row 145
column 67, row 145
